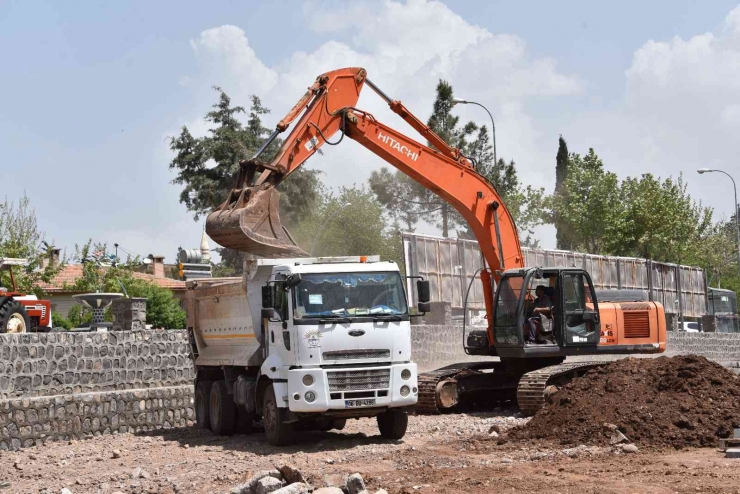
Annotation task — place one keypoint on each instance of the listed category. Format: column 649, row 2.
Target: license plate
column 359, row 403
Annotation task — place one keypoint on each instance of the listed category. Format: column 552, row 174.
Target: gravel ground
column 448, row 453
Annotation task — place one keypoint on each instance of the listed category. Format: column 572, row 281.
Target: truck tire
column 202, row 404
column 339, row 424
column 222, row 410
column 277, row 431
column 392, row 424
column 13, row 318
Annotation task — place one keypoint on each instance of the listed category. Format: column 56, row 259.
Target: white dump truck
column 303, row 343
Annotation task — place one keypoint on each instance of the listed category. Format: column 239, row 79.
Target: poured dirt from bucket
column 679, row 402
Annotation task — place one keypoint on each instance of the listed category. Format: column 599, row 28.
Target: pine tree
column 561, row 174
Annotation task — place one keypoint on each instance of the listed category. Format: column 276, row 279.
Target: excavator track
column 427, row 400
column 439, row 390
column 530, row 393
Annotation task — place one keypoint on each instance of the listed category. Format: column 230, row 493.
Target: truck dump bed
column 220, row 311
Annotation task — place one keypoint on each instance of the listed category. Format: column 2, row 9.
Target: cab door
column 580, row 323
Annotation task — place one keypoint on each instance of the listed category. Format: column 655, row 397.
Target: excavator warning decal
column 397, row 146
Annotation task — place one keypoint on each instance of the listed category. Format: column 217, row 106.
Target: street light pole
column 456, row 101
column 734, row 207
column 321, row 228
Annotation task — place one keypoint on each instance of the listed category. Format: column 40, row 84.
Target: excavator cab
column 557, row 305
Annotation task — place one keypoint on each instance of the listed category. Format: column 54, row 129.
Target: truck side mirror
column 267, row 296
column 293, row 280
column 422, row 289
column 424, row 307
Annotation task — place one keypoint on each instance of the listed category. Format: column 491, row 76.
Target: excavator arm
column 248, row 220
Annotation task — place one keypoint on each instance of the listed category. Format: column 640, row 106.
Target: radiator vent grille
column 637, row 324
column 356, row 354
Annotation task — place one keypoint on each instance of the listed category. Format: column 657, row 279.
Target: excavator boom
column 249, row 221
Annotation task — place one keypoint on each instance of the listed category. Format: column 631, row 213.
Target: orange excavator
column 536, row 316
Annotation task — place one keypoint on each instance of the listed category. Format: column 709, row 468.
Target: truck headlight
column 405, row 390
column 405, row 374
column 310, row 396
column 307, row 380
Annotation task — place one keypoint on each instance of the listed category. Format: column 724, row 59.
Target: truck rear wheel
column 222, row 410
column 277, row 431
column 202, row 404
column 392, row 424
column 13, row 318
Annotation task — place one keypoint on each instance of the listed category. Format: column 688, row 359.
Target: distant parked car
column 691, row 327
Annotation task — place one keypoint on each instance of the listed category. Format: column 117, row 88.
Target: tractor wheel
column 13, row 318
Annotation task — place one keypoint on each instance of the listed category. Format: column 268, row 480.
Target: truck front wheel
column 202, row 403
column 222, row 410
column 392, row 424
column 277, row 431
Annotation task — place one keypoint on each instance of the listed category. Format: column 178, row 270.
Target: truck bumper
column 352, row 388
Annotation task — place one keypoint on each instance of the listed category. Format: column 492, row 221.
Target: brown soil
column 440, row 454
column 678, row 402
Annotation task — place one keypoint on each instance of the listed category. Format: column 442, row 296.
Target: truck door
column 278, row 329
column 580, row 321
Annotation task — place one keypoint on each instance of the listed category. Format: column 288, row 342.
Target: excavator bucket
column 249, row 221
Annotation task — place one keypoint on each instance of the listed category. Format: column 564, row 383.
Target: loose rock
column 116, row 454
column 295, row 488
column 355, row 484
column 267, row 484
column 291, row 474
column 248, row 486
column 329, row 490
column 629, row 448
column 618, row 438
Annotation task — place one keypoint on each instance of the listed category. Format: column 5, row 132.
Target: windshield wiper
column 386, row 317
column 333, row 318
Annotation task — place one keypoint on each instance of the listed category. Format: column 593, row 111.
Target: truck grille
column 356, row 354
column 355, row 380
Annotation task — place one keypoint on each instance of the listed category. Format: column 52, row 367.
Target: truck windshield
column 349, row 294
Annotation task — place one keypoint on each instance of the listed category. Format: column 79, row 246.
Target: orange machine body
column 633, row 323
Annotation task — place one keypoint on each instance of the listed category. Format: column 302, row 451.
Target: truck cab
column 301, row 343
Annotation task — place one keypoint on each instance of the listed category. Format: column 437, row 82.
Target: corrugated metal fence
column 450, row 264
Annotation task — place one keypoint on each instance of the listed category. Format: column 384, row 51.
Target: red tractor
column 21, row 313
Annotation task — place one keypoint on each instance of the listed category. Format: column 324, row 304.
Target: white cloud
column 680, row 111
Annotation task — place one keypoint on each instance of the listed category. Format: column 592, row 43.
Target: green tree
column 561, row 174
column 349, row 222
column 661, row 221
column 21, row 237
column 589, row 206
column 207, row 166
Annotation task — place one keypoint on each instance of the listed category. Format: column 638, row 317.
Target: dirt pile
column 684, row 401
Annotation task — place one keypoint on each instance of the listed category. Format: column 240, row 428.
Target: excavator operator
column 541, row 316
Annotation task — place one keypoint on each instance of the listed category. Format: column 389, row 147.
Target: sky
column 91, row 92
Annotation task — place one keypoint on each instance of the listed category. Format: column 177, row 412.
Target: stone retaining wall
column 34, row 421
column 48, row 364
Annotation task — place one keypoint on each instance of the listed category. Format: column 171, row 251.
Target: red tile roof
column 72, row 272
